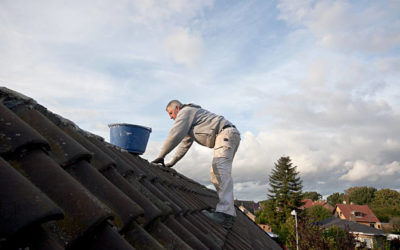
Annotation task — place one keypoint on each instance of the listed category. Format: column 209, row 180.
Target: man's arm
column 178, row 131
column 184, row 146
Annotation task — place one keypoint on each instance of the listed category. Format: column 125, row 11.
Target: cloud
column 255, row 191
column 362, row 170
column 389, row 64
column 183, row 47
column 344, row 25
column 313, row 80
column 333, row 113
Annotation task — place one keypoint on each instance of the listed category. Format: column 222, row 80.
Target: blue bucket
column 132, row 138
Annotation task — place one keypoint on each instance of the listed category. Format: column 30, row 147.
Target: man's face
column 173, row 112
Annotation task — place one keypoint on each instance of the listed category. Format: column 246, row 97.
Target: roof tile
column 139, row 238
column 17, row 194
column 109, row 197
column 168, row 238
column 133, row 190
column 105, row 238
column 202, row 236
column 15, row 134
column 82, row 210
column 64, row 149
column 123, row 208
column 100, row 160
column 184, row 233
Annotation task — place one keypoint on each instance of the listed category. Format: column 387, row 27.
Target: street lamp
column 294, row 213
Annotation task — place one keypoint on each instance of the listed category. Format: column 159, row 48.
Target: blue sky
column 314, row 80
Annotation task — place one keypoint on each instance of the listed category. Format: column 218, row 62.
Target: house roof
column 352, row 226
column 249, row 205
column 358, row 213
column 63, row 187
column 308, row 203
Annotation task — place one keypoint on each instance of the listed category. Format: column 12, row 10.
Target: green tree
column 386, row 197
column 314, row 196
column 361, row 195
column 386, row 204
column 335, row 198
column 339, row 238
column 284, row 195
column 318, row 213
column 286, row 186
column 312, row 236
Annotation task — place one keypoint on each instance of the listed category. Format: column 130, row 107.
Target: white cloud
column 362, row 170
column 358, row 171
column 313, row 80
column 183, row 47
column 388, row 65
column 345, row 25
column 251, row 190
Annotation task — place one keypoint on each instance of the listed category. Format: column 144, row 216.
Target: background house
column 251, row 206
column 308, row 203
column 248, row 213
column 365, row 235
column 357, row 213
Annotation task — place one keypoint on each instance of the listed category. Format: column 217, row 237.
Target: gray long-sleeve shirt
column 192, row 124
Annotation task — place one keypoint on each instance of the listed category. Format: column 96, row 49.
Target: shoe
column 229, row 221
column 222, row 219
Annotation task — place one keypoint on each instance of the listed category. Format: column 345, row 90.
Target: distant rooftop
column 358, row 213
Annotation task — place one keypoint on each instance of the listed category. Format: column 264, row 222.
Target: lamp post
column 294, row 213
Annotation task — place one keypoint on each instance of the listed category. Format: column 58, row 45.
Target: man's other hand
column 159, row 161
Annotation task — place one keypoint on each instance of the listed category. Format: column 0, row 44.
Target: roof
column 364, row 214
column 63, row 187
column 249, row 205
column 308, row 203
column 352, row 226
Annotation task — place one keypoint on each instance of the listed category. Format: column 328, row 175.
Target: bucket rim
column 128, row 125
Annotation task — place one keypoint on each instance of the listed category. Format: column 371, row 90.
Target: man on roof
column 192, row 123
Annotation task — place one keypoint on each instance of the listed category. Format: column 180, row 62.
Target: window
column 358, row 214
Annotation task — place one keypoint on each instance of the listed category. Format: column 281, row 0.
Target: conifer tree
column 286, row 186
column 284, row 195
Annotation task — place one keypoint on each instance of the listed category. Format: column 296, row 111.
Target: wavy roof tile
column 64, row 188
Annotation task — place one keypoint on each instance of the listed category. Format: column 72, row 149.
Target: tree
column 386, row 204
column 284, row 195
column 286, row 186
column 339, row 238
column 387, row 197
column 335, row 198
column 318, row 213
column 314, row 196
column 361, row 195
column 312, row 236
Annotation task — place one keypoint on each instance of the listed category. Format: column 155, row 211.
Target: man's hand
column 159, row 161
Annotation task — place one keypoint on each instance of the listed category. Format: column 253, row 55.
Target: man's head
column 173, row 108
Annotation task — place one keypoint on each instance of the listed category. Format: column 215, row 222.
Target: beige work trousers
column 226, row 145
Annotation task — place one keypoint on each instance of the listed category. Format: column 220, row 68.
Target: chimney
column 352, row 216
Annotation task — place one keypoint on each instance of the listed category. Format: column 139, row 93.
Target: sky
column 317, row 81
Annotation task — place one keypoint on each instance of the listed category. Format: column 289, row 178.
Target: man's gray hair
column 173, row 104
